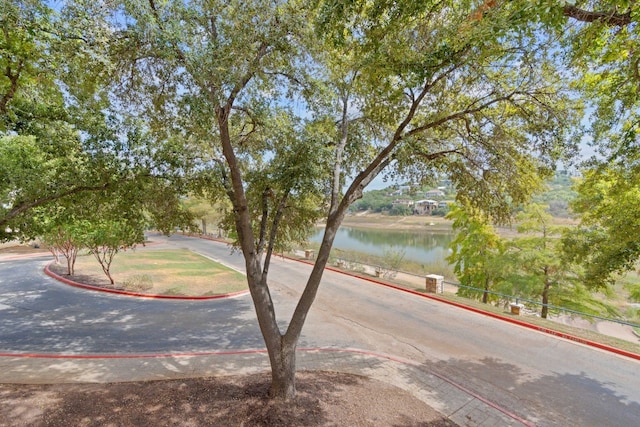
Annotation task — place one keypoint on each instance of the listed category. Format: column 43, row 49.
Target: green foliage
column 406, row 54
column 441, row 211
column 606, row 242
column 60, row 134
column 27, row 88
column 542, row 271
column 607, row 58
column 634, row 293
column 558, row 195
column 375, row 201
column 476, row 252
column 400, row 210
column 104, row 239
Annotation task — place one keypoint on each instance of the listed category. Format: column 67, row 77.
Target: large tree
column 61, row 134
column 412, row 89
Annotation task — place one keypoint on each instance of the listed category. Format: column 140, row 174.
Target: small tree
column 542, row 272
column 105, row 239
column 392, row 261
column 477, row 251
column 65, row 239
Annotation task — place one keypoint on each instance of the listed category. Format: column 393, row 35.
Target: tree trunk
column 485, row 294
column 282, row 347
column 283, row 372
column 71, row 261
column 545, row 299
column 69, row 266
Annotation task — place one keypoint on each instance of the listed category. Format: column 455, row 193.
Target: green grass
column 166, row 272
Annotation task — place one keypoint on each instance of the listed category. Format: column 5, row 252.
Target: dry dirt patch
column 323, row 399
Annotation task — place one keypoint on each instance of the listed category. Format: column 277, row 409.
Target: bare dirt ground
column 323, row 399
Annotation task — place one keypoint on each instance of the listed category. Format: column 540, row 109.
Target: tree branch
column 263, row 49
column 274, row 231
column 609, row 18
column 268, row 192
column 254, row 125
column 458, row 115
column 24, row 206
column 434, row 156
column 13, row 86
column 337, row 170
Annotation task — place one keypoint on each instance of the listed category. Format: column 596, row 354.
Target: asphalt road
column 550, row 381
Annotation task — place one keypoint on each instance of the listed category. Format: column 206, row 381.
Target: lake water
column 420, row 246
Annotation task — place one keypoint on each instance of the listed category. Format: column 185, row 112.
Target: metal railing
column 519, row 299
column 347, row 262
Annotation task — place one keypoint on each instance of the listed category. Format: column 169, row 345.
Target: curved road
column 550, row 381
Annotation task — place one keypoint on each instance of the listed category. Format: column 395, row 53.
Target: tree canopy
column 62, row 134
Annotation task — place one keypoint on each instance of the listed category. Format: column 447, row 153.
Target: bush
column 400, row 210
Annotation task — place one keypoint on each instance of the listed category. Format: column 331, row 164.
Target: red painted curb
column 522, row 323
column 50, row 273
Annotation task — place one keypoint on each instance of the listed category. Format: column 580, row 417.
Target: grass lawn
column 163, row 272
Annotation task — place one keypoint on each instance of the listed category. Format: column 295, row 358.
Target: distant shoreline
column 389, row 222
column 422, row 223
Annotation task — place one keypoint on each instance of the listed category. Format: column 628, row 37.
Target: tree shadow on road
column 560, row 399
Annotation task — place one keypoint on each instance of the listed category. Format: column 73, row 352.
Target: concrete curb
column 50, row 273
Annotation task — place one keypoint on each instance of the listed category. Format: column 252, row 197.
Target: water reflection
column 418, row 246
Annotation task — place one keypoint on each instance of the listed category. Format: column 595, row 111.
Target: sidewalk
column 452, row 400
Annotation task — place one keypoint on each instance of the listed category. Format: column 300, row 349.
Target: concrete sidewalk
column 452, row 400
